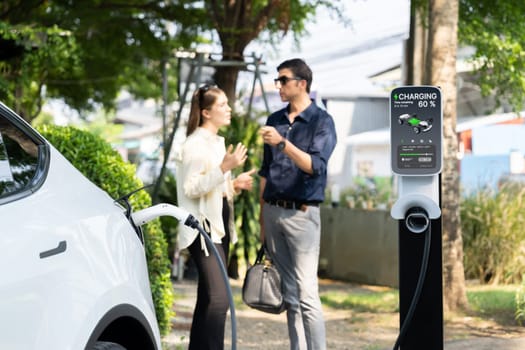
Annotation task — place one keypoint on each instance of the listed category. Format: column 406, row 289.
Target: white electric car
column 73, row 271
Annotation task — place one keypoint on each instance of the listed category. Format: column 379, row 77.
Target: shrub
column 100, row 163
column 168, row 194
column 493, row 236
column 245, row 130
column 520, row 304
column 367, row 193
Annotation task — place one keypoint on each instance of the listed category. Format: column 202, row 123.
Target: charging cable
column 143, row 216
column 417, row 221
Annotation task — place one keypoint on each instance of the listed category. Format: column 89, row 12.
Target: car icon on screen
column 418, row 125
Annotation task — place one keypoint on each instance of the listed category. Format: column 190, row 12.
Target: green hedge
column 100, row 163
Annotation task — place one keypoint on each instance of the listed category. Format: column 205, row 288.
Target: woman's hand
column 244, row 181
column 234, row 157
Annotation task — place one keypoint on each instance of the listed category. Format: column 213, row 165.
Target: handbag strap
column 260, row 254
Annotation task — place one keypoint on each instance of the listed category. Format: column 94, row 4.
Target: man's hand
column 301, row 158
column 270, row 135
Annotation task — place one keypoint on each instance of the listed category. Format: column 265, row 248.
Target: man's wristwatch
column 282, row 144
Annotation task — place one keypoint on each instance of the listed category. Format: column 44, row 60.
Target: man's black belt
column 297, row 205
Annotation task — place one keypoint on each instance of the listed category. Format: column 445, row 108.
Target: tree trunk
column 226, row 78
column 226, row 75
column 415, row 48
column 441, row 71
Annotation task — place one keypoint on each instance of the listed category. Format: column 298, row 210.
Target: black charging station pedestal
column 425, row 330
column 416, row 158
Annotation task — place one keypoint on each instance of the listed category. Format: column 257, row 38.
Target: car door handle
column 62, row 245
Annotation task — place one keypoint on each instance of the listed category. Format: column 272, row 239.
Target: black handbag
column 261, row 289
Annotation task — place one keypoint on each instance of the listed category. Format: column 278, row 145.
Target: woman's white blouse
column 201, row 186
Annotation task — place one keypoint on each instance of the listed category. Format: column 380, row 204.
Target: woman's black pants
column 209, row 316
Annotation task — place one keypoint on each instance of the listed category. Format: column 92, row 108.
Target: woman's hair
column 203, row 98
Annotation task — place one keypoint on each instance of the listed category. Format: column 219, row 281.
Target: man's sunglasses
column 284, row 79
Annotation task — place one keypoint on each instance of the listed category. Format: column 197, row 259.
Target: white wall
column 342, row 113
column 354, row 116
column 378, row 155
column 498, row 139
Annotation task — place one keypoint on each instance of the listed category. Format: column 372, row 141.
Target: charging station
column 416, row 134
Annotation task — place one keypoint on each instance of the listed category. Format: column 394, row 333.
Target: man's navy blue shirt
column 313, row 132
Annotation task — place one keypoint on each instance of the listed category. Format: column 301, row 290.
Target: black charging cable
column 194, row 223
column 417, row 221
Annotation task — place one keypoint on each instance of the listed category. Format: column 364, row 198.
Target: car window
column 22, row 157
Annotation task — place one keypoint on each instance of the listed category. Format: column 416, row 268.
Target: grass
column 363, row 301
column 486, row 301
column 494, row 302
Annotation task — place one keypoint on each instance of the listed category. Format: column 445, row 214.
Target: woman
column 205, row 188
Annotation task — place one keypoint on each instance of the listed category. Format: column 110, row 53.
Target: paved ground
column 346, row 330
column 486, row 344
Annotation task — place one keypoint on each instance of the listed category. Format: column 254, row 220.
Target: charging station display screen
column 416, row 130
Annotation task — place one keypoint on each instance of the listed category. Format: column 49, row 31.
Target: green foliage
column 368, row 193
column 520, row 303
column 100, row 163
column 85, row 52
column 102, row 126
column 498, row 35
column 239, row 22
column 168, row 194
column 94, row 50
column 493, row 236
column 45, row 53
column 42, row 119
column 247, row 206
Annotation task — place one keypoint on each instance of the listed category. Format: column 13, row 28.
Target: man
column 299, row 140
